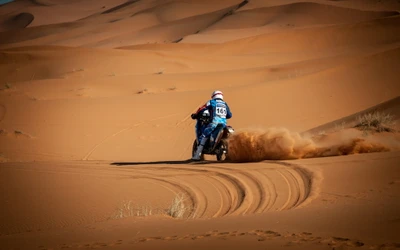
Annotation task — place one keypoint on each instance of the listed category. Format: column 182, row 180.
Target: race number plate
column 220, row 110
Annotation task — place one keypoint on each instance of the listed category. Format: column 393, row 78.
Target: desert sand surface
column 96, row 133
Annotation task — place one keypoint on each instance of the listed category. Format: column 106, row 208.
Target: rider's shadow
column 183, row 162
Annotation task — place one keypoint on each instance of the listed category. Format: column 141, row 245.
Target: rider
column 219, row 112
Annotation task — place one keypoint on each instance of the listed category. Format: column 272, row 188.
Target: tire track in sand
column 222, row 190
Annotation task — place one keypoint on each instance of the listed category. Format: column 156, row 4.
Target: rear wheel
column 194, row 149
column 223, row 151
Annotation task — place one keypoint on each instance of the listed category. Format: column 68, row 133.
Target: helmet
column 217, row 94
column 205, row 116
column 206, row 113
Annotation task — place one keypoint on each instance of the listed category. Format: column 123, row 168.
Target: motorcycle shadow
column 182, row 162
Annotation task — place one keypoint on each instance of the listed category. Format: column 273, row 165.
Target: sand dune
column 150, row 23
column 16, row 22
column 170, row 31
column 87, row 86
column 61, row 11
column 365, row 5
column 46, row 2
column 377, row 31
column 96, row 133
column 297, row 15
column 389, row 107
column 122, row 24
column 283, row 17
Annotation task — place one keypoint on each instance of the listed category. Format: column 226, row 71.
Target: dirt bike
column 217, row 143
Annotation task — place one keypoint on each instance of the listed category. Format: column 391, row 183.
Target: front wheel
column 222, row 155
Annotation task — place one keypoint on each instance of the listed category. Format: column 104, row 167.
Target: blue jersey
column 219, row 111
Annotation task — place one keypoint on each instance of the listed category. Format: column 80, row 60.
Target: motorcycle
column 217, row 143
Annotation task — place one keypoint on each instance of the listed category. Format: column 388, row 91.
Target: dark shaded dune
column 20, row 35
column 391, row 106
column 366, row 5
column 172, row 10
column 27, row 49
column 42, row 2
column 298, row 15
column 374, row 32
column 165, row 32
column 166, row 47
column 16, row 22
column 52, row 2
column 119, row 7
column 144, row 21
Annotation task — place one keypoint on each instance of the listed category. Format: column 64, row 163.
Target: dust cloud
column 282, row 144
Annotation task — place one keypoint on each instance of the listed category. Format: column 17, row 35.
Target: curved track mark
column 216, row 191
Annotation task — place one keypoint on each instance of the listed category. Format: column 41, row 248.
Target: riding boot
column 199, row 150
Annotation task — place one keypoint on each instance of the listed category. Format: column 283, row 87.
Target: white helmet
column 217, row 94
column 206, row 113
